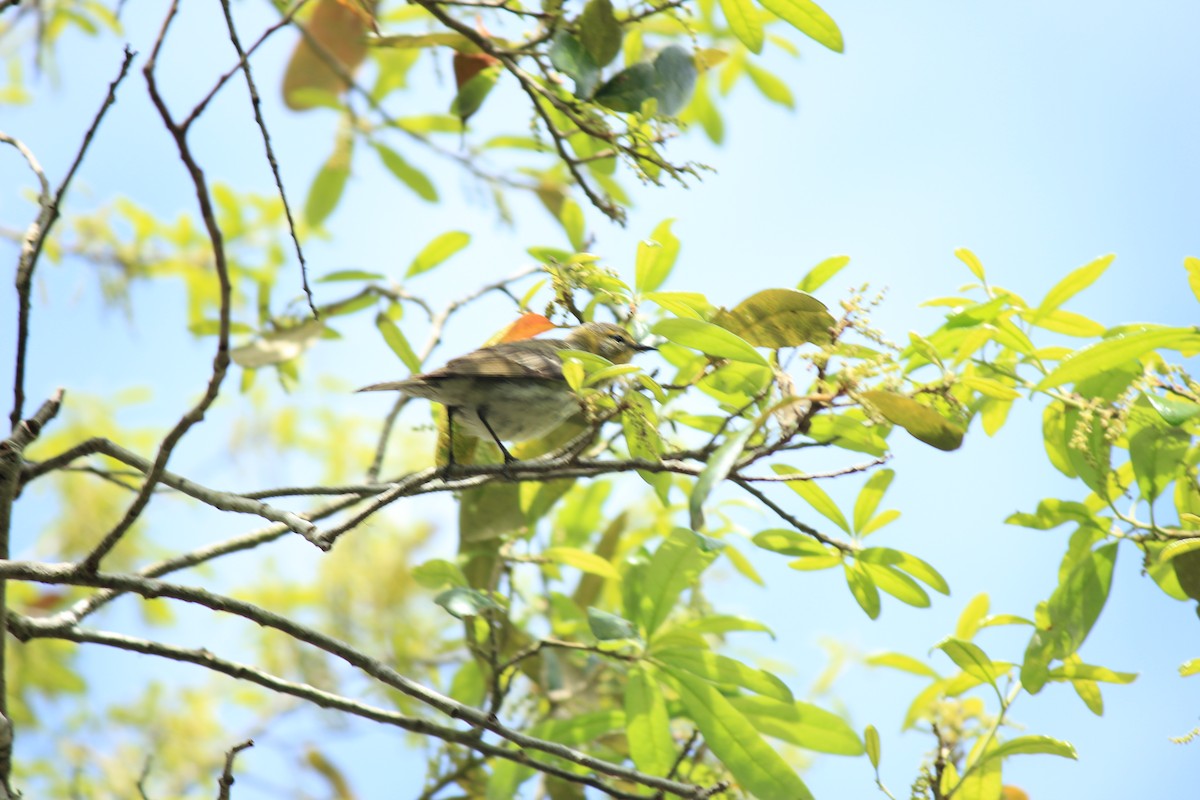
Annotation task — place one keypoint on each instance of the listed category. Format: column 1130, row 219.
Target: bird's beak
column 642, row 348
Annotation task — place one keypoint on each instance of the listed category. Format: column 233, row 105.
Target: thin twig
column 225, row 501
column 226, row 781
column 845, row 547
column 244, row 62
column 221, row 359
column 74, row 575
column 36, row 237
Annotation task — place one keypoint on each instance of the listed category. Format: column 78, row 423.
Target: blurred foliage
column 577, row 609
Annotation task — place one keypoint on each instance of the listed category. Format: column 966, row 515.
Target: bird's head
column 605, row 339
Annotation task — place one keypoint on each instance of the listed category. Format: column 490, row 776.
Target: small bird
column 515, row 390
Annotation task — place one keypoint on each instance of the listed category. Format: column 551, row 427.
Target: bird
column 514, row 391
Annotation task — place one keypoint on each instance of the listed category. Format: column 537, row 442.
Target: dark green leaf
column 571, row 58
column 922, row 422
column 778, row 318
column 600, row 31
column 606, row 626
column 462, row 602
column 1174, row 410
column 470, row 97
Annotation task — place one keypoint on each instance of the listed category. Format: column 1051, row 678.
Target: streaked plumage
column 514, row 391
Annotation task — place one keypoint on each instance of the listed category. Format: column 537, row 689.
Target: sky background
column 1040, row 135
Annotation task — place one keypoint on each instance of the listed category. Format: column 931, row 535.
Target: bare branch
column 77, row 575
column 225, row 501
column 201, row 657
column 35, row 238
column 244, row 62
column 226, row 781
column 221, row 359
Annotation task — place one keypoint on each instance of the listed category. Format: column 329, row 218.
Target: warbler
column 515, row 390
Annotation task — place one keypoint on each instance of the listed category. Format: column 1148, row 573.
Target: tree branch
column 35, row 238
column 75, row 575
column 226, row 781
column 221, row 359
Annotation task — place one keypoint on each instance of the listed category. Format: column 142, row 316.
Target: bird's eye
column 616, row 337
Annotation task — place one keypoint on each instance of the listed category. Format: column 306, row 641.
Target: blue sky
column 1039, row 135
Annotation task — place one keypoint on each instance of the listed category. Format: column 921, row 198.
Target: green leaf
column 1116, row 350
column 648, row 725
column 789, row 543
column 438, row 572
column 821, row 273
column 971, row 260
column 1157, row 456
column 863, row 589
column 1192, row 265
column 669, row 80
column 582, row 560
column 970, row 658
column 606, row 626
column 879, row 521
column 971, row 618
column 778, row 318
column 808, row 18
column 815, row 496
column 921, row 570
column 1071, row 285
column 904, row 663
column 800, row 724
column 709, row 339
column 922, row 422
column 462, row 602
column 675, row 566
column 570, row 57
column 716, row 470
column 1091, row 672
column 409, row 175
column 600, row 31
column 350, row 275
column 471, row 94
column 1070, row 324
column 721, row 624
column 395, row 339
column 723, row 670
column 1174, row 410
column 745, row 23
column 756, row 766
column 437, row 251
column 656, row 256
column 897, row 584
column 872, row 737
column 329, row 183
column 1031, row 745
column 771, row 85
column 870, row 496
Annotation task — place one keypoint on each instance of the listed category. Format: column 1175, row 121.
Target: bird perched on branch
column 514, row 391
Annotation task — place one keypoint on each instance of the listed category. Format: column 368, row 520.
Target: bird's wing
column 531, row 358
